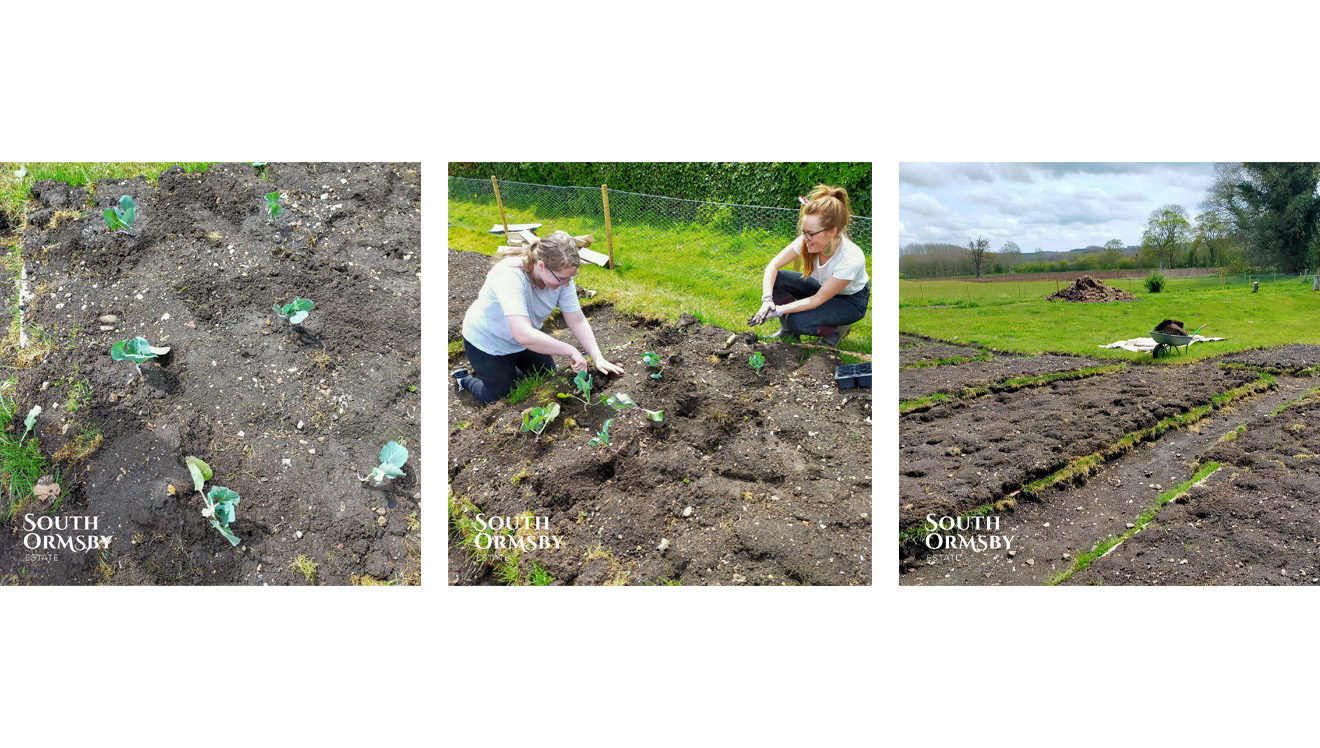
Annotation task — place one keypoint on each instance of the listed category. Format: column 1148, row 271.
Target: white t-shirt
column 847, row 263
column 509, row 292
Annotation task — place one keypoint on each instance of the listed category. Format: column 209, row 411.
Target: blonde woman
column 502, row 329
column 834, row 290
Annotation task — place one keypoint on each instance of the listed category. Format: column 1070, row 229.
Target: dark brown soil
column 1254, row 522
column 775, row 467
column 931, row 351
column 953, row 380
column 1171, row 327
column 1294, row 358
column 1089, row 290
column 962, row 455
column 285, row 416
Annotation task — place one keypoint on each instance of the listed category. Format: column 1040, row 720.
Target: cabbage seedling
column 603, row 438
column 273, row 204
column 392, row 457
column 220, row 503
column 757, row 361
column 295, row 311
column 621, row 401
column 536, row 419
column 30, row 421
column 650, row 359
column 137, row 350
column 121, row 217
column 584, row 385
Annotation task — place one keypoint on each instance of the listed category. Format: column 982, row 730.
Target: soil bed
column 959, row 456
column 953, row 380
column 285, row 415
column 1254, row 522
column 754, row 479
column 928, row 352
column 1294, row 358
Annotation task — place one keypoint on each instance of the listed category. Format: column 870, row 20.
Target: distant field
column 1017, row 317
column 1071, row 275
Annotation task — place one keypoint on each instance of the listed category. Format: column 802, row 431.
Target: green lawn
column 1016, row 317
column 661, row 270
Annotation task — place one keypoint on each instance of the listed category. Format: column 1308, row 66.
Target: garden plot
column 1254, row 521
column 961, row 456
column 999, row 372
column 932, row 353
column 287, row 415
column 754, row 478
column 1295, row 359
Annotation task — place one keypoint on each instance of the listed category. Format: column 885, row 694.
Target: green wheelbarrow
column 1164, row 342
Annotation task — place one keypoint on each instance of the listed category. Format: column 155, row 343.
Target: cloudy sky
column 1045, row 206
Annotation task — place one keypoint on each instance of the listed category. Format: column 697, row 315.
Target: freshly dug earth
column 754, row 479
column 1171, row 327
column 956, row 457
column 953, row 380
column 285, row 415
column 1089, row 290
column 929, row 352
column 1255, row 521
column 1294, row 358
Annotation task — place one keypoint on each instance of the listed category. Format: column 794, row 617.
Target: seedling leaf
column 137, row 350
column 127, row 210
column 201, row 472
column 620, row 401
column 31, row 419
column 394, row 454
column 273, row 204
column 756, row 361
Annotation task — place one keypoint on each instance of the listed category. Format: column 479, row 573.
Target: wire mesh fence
column 694, row 232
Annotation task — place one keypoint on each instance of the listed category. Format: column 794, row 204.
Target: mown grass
column 15, row 192
column 712, row 275
column 1000, row 316
column 1085, row 560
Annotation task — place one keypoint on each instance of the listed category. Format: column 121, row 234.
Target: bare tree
column 978, row 247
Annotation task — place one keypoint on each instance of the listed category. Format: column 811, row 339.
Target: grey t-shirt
column 509, row 292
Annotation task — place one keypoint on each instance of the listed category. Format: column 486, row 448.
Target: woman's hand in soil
column 605, row 367
column 580, row 362
column 761, row 316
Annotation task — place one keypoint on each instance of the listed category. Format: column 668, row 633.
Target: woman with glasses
column 502, row 329
column 833, row 291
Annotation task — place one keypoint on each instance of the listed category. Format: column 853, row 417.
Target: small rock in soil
column 687, row 511
column 739, row 579
column 298, row 535
column 107, row 319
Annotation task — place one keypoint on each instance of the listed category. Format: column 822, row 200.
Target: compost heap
column 1171, row 327
column 1088, row 289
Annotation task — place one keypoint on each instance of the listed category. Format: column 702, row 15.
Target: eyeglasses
column 812, row 234
column 562, row 282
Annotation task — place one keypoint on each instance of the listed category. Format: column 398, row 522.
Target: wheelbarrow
column 1164, row 342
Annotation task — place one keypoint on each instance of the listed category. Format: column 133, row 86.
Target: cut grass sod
column 997, row 315
column 1008, row 385
column 717, row 279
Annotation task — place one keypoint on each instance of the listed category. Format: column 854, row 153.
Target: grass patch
column 1085, row 560
column 504, row 558
column 80, row 447
column 1010, row 319
column 15, row 192
column 949, row 361
column 660, row 271
column 539, row 382
column 306, row 567
column 21, row 462
column 1307, row 396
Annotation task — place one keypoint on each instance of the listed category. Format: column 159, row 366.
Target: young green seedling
column 137, row 350
column 121, row 217
column 757, row 361
column 30, row 421
column 584, row 385
column 220, row 501
column 621, row 401
column 392, row 457
column 536, row 419
column 295, row 311
column 603, row 438
column 273, row 207
column 650, row 359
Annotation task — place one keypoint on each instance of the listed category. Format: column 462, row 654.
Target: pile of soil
column 285, row 415
column 1089, row 290
column 1171, row 327
column 755, row 479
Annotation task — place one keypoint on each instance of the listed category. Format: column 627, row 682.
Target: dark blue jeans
column 497, row 373
column 839, row 310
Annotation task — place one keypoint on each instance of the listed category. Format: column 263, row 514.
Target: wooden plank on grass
column 594, row 257
column 498, row 229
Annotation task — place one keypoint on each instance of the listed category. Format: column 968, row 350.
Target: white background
column 682, row 81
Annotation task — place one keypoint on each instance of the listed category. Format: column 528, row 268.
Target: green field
column 1015, row 316
column 713, row 275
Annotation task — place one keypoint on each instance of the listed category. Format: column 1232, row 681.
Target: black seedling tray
column 852, row 375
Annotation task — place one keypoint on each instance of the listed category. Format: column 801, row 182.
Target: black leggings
column 499, row 372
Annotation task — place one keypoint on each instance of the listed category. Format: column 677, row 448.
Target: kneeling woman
column 834, row 290
column 502, row 329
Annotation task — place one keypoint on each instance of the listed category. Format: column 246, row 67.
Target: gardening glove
column 579, row 361
column 605, row 367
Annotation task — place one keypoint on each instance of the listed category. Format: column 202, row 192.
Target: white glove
column 766, row 308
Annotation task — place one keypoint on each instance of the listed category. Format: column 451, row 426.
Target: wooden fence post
column 609, row 231
column 500, row 203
